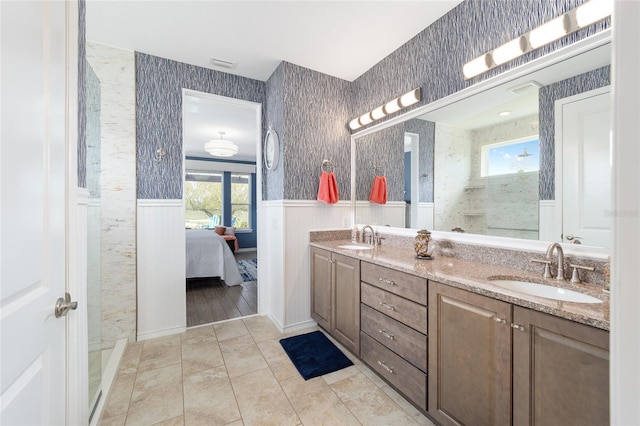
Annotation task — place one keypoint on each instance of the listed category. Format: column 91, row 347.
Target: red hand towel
column 379, row 190
column 328, row 189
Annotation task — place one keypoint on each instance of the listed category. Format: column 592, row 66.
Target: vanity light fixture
column 408, row 99
column 221, row 147
column 584, row 15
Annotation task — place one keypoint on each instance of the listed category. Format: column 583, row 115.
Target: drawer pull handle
column 500, row 320
column 384, row 305
column 386, row 281
column 383, row 365
column 518, row 327
column 385, row 334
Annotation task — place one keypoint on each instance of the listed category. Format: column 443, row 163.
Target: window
column 203, row 200
column 218, row 199
column 510, row 157
column 241, row 201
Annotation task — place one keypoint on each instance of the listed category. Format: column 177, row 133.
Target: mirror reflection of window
column 514, row 156
column 241, row 201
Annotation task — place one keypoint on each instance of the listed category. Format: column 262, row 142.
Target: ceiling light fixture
column 570, row 22
column 412, row 97
column 220, row 147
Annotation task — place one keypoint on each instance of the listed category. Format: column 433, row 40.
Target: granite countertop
column 472, row 276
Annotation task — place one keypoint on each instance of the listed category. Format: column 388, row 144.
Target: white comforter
column 208, row 255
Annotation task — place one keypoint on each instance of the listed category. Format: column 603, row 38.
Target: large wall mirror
column 525, row 155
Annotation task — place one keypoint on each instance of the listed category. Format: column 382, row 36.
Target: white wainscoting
column 549, row 227
column 161, row 268
column 287, row 256
column 390, row 214
column 425, row 216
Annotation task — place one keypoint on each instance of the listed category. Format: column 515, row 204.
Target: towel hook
column 377, row 168
column 328, row 165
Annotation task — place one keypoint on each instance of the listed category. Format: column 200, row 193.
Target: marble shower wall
column 115, row 68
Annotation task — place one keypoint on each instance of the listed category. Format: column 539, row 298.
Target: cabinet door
column 560, row 371
column 469, row 358
column 321, row 287
column 346, row 302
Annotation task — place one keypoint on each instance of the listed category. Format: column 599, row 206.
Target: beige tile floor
column 236, row 373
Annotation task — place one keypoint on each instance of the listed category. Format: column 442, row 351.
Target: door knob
column 63, row 305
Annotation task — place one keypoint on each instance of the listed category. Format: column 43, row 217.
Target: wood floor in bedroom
column 210, row 300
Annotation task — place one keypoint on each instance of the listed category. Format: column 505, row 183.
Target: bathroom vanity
column 461, row 348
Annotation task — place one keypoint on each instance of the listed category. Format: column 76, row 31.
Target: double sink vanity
column 467, row 342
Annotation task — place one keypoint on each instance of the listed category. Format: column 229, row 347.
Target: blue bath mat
column 314, row 355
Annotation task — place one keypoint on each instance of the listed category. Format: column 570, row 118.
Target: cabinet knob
column 383, row 365
column 389, row 307
column 385, row 334
column 518, row 327
column 500, row 320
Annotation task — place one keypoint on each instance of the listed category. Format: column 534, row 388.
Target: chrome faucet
column 371, row 238
column 558, row 248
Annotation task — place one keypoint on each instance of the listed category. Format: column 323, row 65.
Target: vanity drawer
column 404, row 376
column 404, row 341
column 400, row 283
column 398, row 308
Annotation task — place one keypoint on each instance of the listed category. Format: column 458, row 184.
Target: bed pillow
column 230, row 231
column 220, row 230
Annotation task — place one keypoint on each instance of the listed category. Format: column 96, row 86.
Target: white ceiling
column 339, row 38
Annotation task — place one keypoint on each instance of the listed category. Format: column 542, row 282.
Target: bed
column 209, row 255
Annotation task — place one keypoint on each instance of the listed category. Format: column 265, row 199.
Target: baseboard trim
column 299, row 326
column 161, row 333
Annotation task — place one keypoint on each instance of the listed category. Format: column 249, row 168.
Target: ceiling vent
column 222, row 64
column 527, row 87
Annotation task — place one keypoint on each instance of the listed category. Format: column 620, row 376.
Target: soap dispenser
column 355, row 234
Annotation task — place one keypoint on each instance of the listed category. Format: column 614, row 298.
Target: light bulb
column 476, row 66
column 551, row 31
column 593, row 11
column 410, row 98
column 508, row 51
column 378, row 113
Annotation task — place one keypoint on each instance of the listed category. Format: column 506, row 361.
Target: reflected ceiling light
column 412, row 97
column 220, row 147
column 504, row 113
column 586, row 14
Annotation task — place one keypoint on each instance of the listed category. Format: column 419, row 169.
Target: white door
column 32, row 211
column 586, row 168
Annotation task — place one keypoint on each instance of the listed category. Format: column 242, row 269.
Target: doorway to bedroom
column 221, row 139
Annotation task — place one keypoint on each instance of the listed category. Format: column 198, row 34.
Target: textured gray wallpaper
column 316, row 112
column 273, row 180
column 433, row 59
column 426, row 130
column 548, row 95
column 159, row 84
column 82, row 94
column 310, row 110
column 384, row 149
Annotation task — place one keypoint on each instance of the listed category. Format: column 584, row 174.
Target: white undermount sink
column 543, row 290
column 355, row 247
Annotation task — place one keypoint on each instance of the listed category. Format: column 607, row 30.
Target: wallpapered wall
column 385, row 150
column 426, row 133
column 273, row 180
column 433, row 59
column 310, row 110
column 159, row 84
column 316, row 111
column 547, row 96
